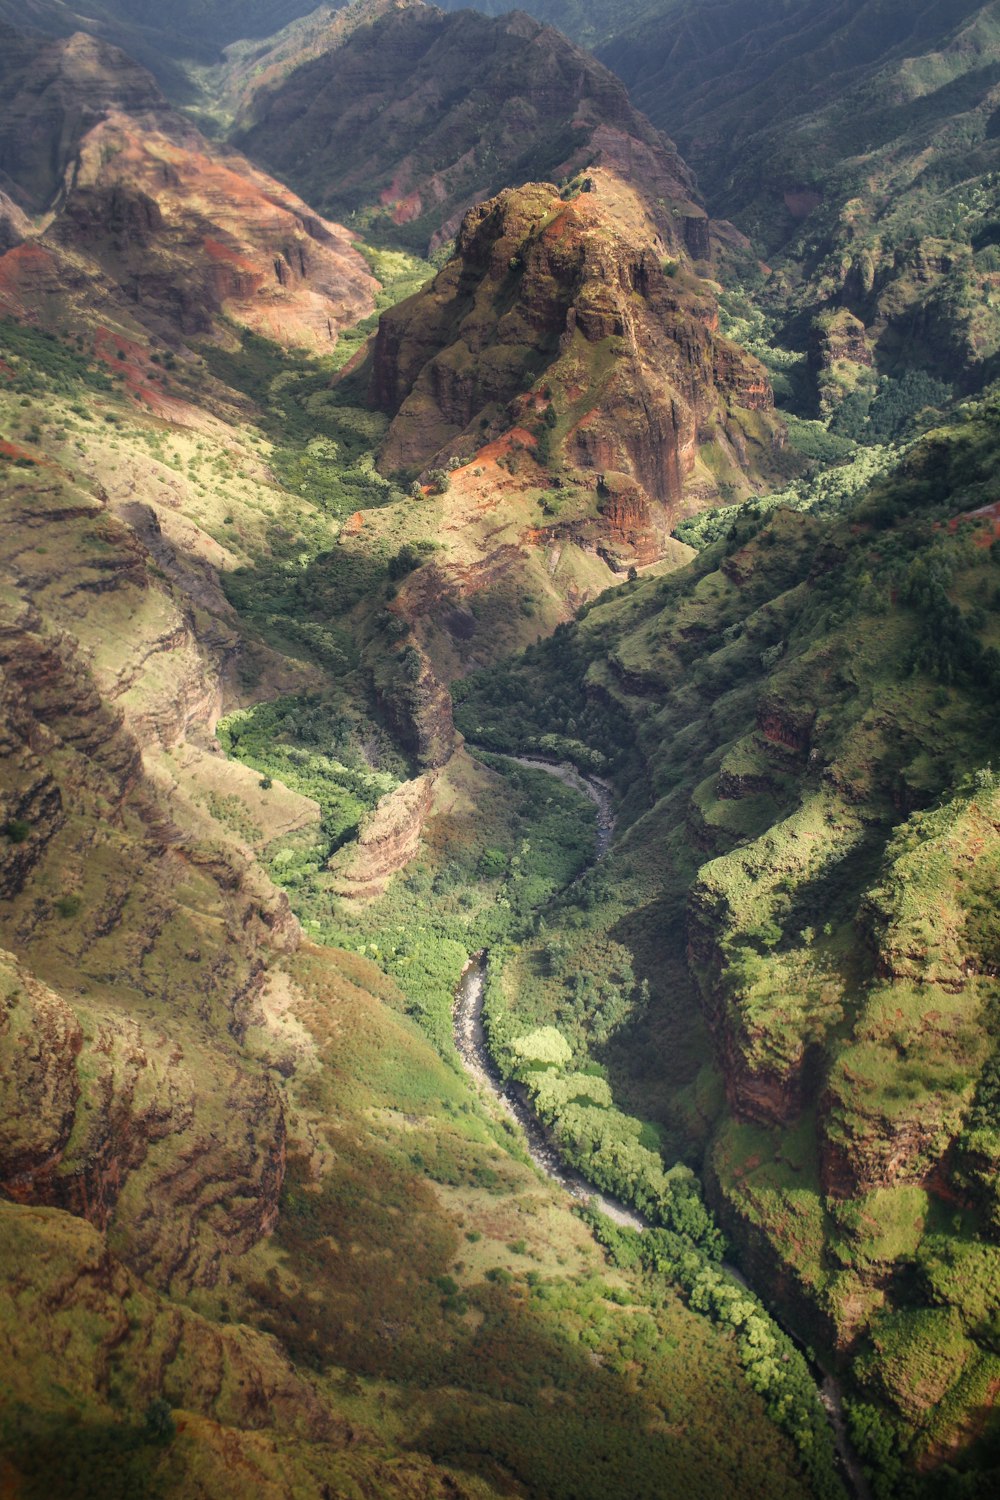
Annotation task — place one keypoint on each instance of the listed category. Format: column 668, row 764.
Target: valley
column 408, row 451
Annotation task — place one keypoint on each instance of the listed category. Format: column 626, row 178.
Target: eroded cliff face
column 113, row 907
column 562, row 393
column 150, row 219
column 163, row 1030
column 53, row 92
column 817, row 794
column 189, row 232
column 387, row 843
column 560, row 316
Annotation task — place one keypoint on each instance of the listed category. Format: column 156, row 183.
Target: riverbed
column 473, row 1048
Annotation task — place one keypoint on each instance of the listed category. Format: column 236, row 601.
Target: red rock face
column 387, row 843
column 148, row 215
column 189, row 233
column 561, row 303
column 630, row 521
column 785, row 724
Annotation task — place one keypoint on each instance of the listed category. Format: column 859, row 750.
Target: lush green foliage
column 807, row 668
column 313, row 746
column 773, row 1365
column 36, row 361
column 534, row 837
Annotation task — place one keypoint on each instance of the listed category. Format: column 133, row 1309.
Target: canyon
column 388, row 414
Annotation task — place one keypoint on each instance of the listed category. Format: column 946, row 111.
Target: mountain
column 174, row 49
column 332, row 580
column 540, row 415
column 169, row 230
column 411, row 119
column 557, row 399
column 255, row 64
column 855, row 143
column 261, row 1234
column 52, row 94
column 801, row 725
column 558, row 314
column 588, row 22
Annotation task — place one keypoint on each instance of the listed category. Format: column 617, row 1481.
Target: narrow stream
column 473, row 1049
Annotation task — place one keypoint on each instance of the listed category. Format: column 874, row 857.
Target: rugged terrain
column 291, row 523
column 259, row 1227
column 812, row 828
column 263, row 1238
column 857, row 146
column 414, row 117
column 152, row 224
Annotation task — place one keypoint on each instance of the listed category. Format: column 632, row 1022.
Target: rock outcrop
column 387, row 843
column 558, row 316
column 189, row 233
column 14, row 224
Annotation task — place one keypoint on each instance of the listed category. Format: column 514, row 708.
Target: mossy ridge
column 838, row 708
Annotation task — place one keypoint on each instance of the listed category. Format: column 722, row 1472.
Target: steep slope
column 51, row 95
column 557, row 315
column 149, row 218
column 255, row 64
column 419, row 114
column 259, row 1235
column 562, row 395
column 801, row 727
column 168, row 46
column 856, row 143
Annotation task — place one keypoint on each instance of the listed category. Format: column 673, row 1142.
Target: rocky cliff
column 97, row 877
column 387, row 843
column 52, row 93
column 179, row 232
column 563, row 396
column 558, row 316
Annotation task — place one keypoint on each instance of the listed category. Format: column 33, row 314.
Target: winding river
column 473, row 1049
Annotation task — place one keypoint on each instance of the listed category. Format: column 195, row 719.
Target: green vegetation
column 36, row 361
column 533, row 836
column 800, row 724
column 75, row 1458
column 313, row 746
column 774, row 1367
column 830, row 492
column 767, row 1018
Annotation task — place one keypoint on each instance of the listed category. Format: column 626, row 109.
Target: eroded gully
column 473, row 1049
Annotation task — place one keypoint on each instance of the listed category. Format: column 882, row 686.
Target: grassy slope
column 422, row 1284
column 794, row 701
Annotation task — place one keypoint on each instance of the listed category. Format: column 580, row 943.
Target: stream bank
column 473, row 1049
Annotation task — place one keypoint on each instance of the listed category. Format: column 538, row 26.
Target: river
column 473, row 1049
